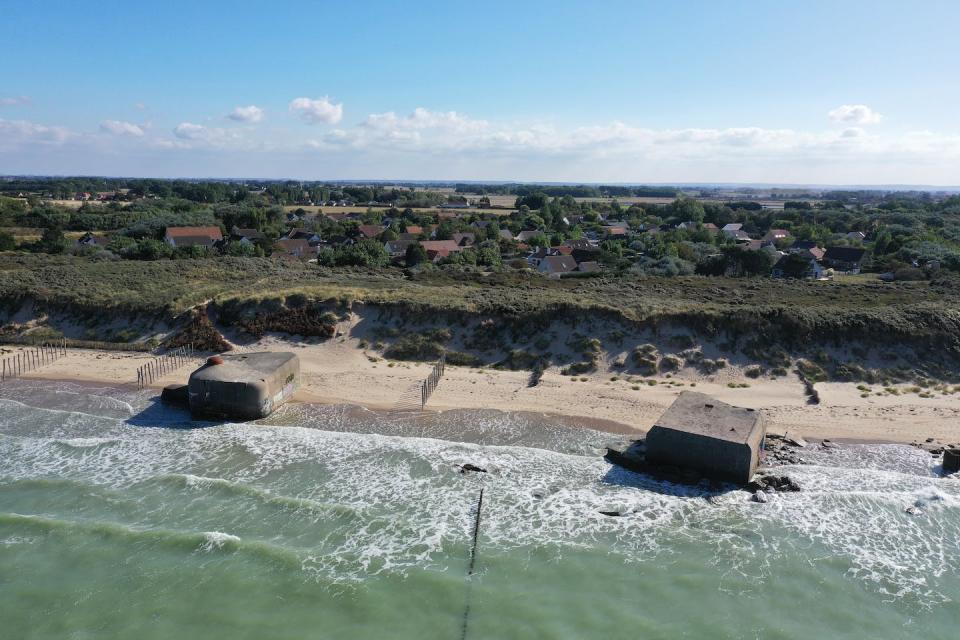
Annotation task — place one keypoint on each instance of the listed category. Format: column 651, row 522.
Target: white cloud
column 190, row 131
column 14, row 133
column 121, row 128
column 854, row 114
column 425, row 119
column 251, row 114
column 198, row 135
column 317, row 111
column 14, row 101
column 140, row 106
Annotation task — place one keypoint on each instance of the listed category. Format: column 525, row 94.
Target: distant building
column 857, row 235
column 775, row 235
column 295, row 248
column 706, row 435
column 193, row 236
column 370, row 231
column 845, row 259
column 246, row 236
column 555, row 266
column 527, row 234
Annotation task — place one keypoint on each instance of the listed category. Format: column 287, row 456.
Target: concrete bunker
column 712, row 437
column 243, row 385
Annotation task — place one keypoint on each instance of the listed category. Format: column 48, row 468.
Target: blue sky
column 788, row 92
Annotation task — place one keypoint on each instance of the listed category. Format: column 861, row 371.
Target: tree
column 795, row 266
column 688, row 209
column 416, row 254
column 7, row 241
column 53, row 241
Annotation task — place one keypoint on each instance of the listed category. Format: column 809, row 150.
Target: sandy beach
column 339, row 371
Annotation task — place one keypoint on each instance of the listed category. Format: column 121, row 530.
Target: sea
column 122, row 518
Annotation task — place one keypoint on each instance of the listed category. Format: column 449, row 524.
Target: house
column 312, row 237
column 465, row 239
column 776, row 235
column 588, row 266
column 845, row 259
column 299, row 248
column 448, row 246
column 739, row 236
column 506, row 235
column 555, row 266
column 711, row 228
column 370, row 231
column 857, row 236
column 397, row 248
column 193, row 236
column 414, row 229
column 586, row 254
column 537, row 256
column 246, row 236
column 711, row 437
column 578, row 243
column 615, row 231
column 733, row 226
column 806, row 246
column 527, row 234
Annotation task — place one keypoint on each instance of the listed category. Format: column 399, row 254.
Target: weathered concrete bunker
column 709, row 436
column 243, row 385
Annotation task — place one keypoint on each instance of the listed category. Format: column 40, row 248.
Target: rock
column 930, row 440
column 772, row 483
column 951, row 460
column 795, row 441
column 914, row 511
column 471, row 467
column 612, row 514
column 760, row 497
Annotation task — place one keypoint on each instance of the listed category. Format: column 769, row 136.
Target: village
column 458, row 233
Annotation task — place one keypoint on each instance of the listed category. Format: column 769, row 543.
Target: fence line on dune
column 430, row 384
column 31, row 358
column 75, row 343
column 162, row 365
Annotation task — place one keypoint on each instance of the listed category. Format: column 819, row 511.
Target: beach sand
column 339, row 371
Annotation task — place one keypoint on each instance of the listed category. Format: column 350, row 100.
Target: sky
column 812, row 92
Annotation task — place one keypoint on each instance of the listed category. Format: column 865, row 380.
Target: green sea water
column 122, row 519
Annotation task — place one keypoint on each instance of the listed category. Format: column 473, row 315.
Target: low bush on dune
column 200, row 333
column 296, row 322
column 428, row 345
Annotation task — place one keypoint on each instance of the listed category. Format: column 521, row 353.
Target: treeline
column 578, row 191
column 285, row 192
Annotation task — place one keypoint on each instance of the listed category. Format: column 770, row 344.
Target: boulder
column 951, row 460
column 472, row 467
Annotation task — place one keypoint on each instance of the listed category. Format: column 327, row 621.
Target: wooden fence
column 31, row 358
column 79, row 344
column 162, row 365
column 428, row 386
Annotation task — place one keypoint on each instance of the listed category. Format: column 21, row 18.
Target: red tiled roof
column 193, row 232
column 440, row 245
